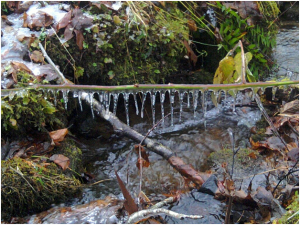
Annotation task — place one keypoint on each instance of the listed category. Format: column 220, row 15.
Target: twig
column 153, row 128
column 137, row 216
column 265, row 114
column 21, row 174
column 140, row 155
column 243, row 63
column 164, row 202
column 289, row 172
column 100, row 181
column 62, row 77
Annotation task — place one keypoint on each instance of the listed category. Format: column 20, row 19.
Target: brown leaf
column 129, row 204
column 290, row 107
column 58, row 135
column 61, row 160
column 293, row 154
column 142, row 162
column 252, row 155
column 20, row 67
column 37, row 20
column 191, row 53
column 143, row 153
column 192, row 25
column 81, row 21
column 79, row 39
column 65, row 21
column 37, row 56
column 25, row 22
column 244, row 8
column 68, row 34
column 218, row 35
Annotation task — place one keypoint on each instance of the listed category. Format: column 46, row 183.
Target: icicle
column 204, row 107
column 181, row 94
column 195, row 101
column 188, row 99
column 234, row 92
column 153, row 96
column 126, row 101
column 172, row 98
column 75, row 94
column 79, row 100
column 106, row 101
column 55, row 98
column 136, row 104
column 216, row 96
column 143, row 104
column 274, row 89
column 91, row 97
column 100, row 94
column 65, row 97
column 162, row 100
column 116, row 97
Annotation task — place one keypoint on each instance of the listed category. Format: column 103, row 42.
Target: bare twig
column 21, row 174
column 62, row 77
column 288, row 173
column 140, row 155
column 265, row 114
column 137, row 216
column 243, row 63
column 164, row 202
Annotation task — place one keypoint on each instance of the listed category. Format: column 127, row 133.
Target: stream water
column 194, row 130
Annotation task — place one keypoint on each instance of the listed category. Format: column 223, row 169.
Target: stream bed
column 198, row 136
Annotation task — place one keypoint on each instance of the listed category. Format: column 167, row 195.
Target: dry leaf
column 252, row 155
column 65, row 21
column 61, row 160
column 79, row 39
column 37, row 56
column 58, row 135
column 191, row 53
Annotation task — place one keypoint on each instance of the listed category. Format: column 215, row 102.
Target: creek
column 194, row 130
column 191, row 137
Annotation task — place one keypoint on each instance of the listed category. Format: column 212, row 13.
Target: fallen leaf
column 192, row 25
column 37, row 56
column 142, row 162
column 81, row 21
column 79, row 39
column 191, row 54
column 68, row 33
column 37, row 20
column 58, row 135
column 61, row 160
column 252, row 155
column 129, row 204
column 65, row 21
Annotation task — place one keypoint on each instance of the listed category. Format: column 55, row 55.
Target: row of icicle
column 105, row 98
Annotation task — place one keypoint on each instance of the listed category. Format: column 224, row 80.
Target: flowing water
column 194, row 130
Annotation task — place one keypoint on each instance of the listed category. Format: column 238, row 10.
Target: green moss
column 127, row 52
column 69, row 149
column 29, row 110
column 225, row 155
column 35, row 189
column 292, row 215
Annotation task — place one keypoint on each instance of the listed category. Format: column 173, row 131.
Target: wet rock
column 210, row 186
column 198, row 203
column 104, row 211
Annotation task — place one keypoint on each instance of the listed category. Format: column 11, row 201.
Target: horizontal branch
column 143, row 87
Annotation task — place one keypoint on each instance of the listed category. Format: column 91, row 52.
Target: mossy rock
column 27, row 187
column 69, row 149
column 127, row 51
